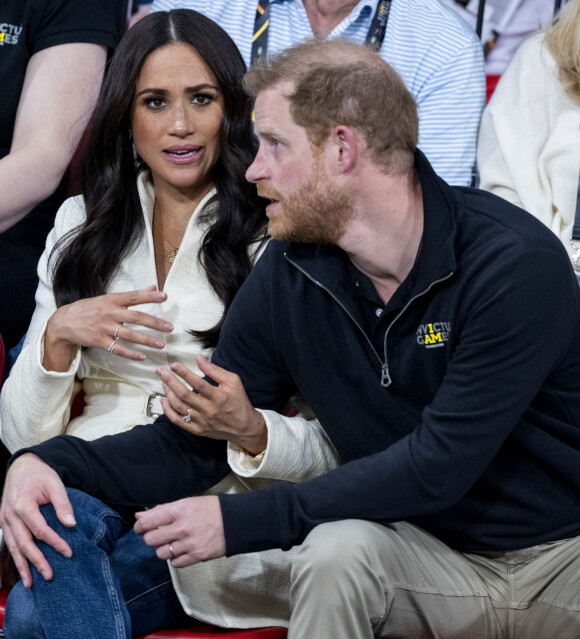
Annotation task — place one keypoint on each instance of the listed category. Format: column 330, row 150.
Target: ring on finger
column 113, row 344
column 116, row 335
column 173, row 555
column 187, row 416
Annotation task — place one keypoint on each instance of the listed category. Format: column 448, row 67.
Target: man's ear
column 345, row 148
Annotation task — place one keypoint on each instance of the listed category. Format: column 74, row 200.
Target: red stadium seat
column 3, row 596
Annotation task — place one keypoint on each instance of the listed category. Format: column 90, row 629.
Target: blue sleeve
column 145, row 466
column 250, row 335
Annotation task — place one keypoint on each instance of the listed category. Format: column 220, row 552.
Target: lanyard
column 374, row 39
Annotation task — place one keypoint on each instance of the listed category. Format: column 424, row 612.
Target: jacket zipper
column 344, row 308
column 386, row 380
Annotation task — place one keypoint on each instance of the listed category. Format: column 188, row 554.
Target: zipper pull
column 385, row 377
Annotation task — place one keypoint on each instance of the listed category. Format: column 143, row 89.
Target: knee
column 336, row 551
column 96, row 523
column 84, row 507
column 21, row 621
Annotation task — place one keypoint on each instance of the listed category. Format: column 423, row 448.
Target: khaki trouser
column 355, row 579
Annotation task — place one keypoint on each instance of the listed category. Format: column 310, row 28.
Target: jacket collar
column 442, row 206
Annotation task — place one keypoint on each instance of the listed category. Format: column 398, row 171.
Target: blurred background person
column 505, row 24
column 52, row 59
column 140, row 8
column 529, row 140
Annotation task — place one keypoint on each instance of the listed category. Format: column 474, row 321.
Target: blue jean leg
column 22, row 620
column 84, row 597
column 146, row 586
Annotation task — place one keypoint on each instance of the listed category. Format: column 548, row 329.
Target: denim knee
column 90, row 514
column 85, row 590
column 22, row 620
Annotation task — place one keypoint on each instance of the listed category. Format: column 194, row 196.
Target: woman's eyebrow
column 193, row 89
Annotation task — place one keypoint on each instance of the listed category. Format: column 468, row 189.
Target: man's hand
column 222, row 412
column 186, row 531
column 30, row 483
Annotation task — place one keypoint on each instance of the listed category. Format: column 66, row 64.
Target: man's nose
column 257, row 170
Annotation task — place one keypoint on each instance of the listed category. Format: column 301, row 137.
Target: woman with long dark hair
column 165, row 233
column 174, row 211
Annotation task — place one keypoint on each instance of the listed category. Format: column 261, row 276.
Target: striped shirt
column 438, row 56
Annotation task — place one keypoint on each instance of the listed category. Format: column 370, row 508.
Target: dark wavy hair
column 87, row 258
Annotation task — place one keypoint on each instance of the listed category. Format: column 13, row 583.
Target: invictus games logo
column 9, row 33
column 433, row 335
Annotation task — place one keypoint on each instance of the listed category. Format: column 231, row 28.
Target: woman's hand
column 30, row 483
column 222, row 412
column 101, row 322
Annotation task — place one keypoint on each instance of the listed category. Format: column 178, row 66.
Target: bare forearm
column 57, row 98
column 26, row 179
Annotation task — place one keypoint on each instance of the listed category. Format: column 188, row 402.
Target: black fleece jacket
column 458, row 409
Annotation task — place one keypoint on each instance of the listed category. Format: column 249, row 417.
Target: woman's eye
column 155, row 103
column 202, row 99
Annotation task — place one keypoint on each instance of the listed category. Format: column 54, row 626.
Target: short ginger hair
column 336, row 82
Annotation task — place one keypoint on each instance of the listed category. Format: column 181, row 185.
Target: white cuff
column 298, row 449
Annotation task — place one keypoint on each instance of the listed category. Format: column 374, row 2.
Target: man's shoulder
column 502, row 224
column 430, row 18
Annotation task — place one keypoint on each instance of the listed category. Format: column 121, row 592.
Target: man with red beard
column 434, row 332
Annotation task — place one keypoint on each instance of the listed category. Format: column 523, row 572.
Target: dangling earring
column 135, row 156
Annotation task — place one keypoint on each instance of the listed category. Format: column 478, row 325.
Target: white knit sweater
column 529, row 140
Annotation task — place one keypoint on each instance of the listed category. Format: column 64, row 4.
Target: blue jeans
column 113, row 586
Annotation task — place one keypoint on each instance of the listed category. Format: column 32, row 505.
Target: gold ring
column 117, row 330
column 187, row 416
